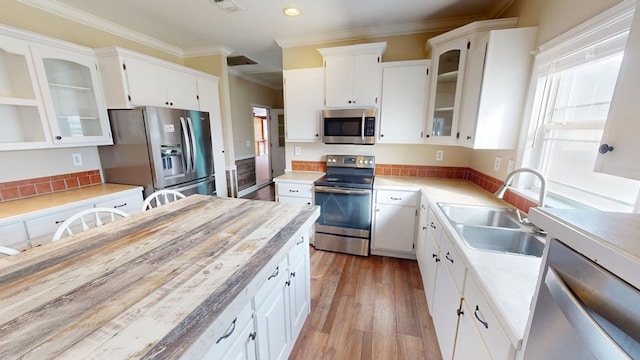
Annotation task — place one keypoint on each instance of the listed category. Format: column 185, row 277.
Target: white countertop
column 299, row 177
column 607, row 238
column 507, row 281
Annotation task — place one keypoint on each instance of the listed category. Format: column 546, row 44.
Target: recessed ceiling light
column 291, row 11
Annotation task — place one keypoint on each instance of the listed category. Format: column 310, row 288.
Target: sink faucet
column 507, row 182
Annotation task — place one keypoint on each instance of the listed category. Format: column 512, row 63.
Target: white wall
column 28, row 164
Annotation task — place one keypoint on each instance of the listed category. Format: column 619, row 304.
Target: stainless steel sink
column 501, row 240
column 481, row 215
column 493, row 228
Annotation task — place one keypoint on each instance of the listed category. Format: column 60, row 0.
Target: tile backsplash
column 13, row 190
column 486, row 182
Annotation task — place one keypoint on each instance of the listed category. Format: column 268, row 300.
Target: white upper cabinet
column 303, row 103
column 50, row 93
column 352, row 75
column 72, row 94
column 620, row 147
column 403, row 107
column 132, row 79
column 22, row 118
column 497, row 73
column 477, row 91
column 446, row 90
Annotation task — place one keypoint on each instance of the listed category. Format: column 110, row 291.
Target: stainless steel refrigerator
column 160, row 148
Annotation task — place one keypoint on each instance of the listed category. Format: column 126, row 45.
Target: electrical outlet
column 297, row 151
column 510, row 165
column 439, row 155
column 77, row 159
column 496, row 163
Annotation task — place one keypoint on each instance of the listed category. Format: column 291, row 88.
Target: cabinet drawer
column 301, row 244
column 392, row 197
column 487, row 324
column 48, row 224
column 294, row 200
column 297, row 190
column 130, row 204
column 233, row 330
column 14, row 236
column 276, row 273
column 453, row 261
column 433, row 226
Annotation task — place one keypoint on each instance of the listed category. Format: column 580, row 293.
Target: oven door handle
column 337, row 190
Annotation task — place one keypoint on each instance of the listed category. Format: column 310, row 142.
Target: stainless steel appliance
column 349, row 126
column 160, row 148
column 583, row 311
column 345, row 197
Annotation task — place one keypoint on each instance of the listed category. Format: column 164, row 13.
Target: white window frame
column 565, row 51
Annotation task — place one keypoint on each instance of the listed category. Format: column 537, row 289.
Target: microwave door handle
column 362, row 127
column 194, row 159
column 186, row 146
column 591, row 334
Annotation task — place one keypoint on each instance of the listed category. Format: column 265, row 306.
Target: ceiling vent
column 227, row 5
column 239, row 60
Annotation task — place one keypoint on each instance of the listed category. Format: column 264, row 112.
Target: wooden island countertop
column 147, row 286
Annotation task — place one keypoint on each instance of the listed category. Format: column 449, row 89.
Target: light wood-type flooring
column 366, row 308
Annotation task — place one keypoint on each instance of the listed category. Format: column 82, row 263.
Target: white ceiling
column 197, row 27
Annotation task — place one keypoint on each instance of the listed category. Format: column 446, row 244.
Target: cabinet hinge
column 376, row 100
column 468, row 45
column 124, row 66
column 416, row 212
column 378, row 58
column 198, row 97
column 458, row 135
column 413, row 246
column 129, row 97
column 427, row 71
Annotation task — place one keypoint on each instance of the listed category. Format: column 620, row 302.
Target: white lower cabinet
column 272, row 322
column 296, row 193
column 394, row 222
column 433, row 258
column 238, row 340
column 469, row 344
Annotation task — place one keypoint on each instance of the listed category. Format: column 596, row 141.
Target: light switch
column 297, row 151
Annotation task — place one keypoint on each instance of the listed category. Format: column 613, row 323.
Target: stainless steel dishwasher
column 583, row 311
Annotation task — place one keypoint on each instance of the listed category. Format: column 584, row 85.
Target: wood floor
column 366, row 308
column 266, row 193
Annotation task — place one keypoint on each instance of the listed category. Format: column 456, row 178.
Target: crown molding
column 67, row 12
column 208, row 50
column 485, row 25
column 377, row 31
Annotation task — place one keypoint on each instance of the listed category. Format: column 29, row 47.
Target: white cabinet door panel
column 303, row 103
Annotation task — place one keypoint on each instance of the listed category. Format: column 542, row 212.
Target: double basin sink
column 493, row 229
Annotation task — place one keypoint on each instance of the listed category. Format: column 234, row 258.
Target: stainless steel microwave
column 349, row 126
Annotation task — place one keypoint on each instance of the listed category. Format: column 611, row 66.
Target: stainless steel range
column 345, row 196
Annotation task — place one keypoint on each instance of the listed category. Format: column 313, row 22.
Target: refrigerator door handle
column 186, row 144
column 194, row 159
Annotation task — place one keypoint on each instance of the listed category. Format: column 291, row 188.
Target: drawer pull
column 395, row 198
column 229, row 331
column 301, row 241
column 435, row 256
column 424, row 228
column 433, row 226
column 252, row 336
column 59, row 221
column 293, row 191
column 475, row 313
column 448, row 257
column 119, row 206
column 275, row 273
column 459, row 312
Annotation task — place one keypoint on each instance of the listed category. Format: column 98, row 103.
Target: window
column 574, row 87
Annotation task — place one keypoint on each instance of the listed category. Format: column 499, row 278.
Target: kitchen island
column 165, row 283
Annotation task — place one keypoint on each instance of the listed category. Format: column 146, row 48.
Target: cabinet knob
column 58, row 137
column 166, row 103
column 317, row 135
column 381, row 135
column 605, row 148
column 468, row 137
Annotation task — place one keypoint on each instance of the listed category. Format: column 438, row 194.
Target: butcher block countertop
column 24, row 206
column 146, row 286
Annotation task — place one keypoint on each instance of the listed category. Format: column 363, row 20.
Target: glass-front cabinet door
column 22, row 118
column 446, row 90
column 72, row 96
